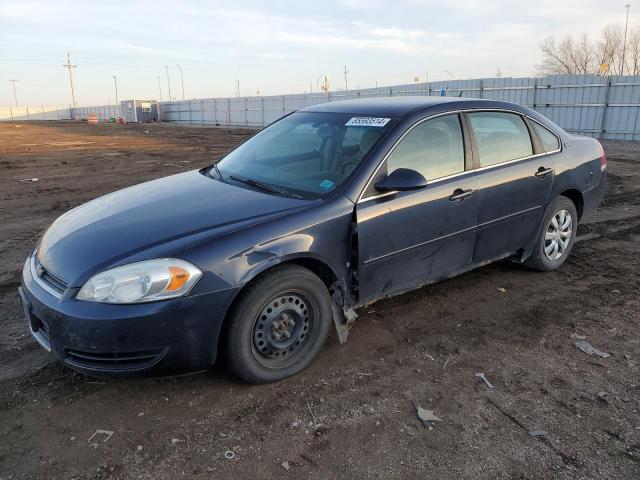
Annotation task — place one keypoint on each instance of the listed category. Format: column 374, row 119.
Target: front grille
column 53, row 281
column 47, row 278
column 113, row 361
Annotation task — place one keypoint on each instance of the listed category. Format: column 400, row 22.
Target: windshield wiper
column 263, row 186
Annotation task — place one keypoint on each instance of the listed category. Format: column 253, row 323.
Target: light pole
column 346, row 86
column 624, row 45
column 15, row 97
column 166, row 67
column 181, row 80
column 318, row 82
column 160, row 87
column 115, row 82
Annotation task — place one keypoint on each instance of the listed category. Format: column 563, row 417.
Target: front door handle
column 459, row 194
column 543, row 172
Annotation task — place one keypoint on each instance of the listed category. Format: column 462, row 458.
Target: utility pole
column 115, row 81
column 15, row 97
column 70, row 67
column 181, row 80
column 318, row 81
column 311, row 86
column 237, row 88
column 159, row 87
column 166, row 67
column 346, row 87
column 624, row 45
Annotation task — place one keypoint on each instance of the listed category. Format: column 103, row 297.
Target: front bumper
column 158, row 338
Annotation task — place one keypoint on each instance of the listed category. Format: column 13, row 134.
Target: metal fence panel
column 601, row 107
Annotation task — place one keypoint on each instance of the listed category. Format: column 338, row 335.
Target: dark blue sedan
column 330, row 208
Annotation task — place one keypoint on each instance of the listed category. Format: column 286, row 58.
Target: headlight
column 145, row 281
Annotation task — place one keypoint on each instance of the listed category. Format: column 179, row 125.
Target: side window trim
column 383, row 162
column 472, row 164
column 525, row 118
column 531, row 120
column 475, row 157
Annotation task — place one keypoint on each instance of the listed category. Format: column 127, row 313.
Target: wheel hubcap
column 281, row 329
column 558, row 235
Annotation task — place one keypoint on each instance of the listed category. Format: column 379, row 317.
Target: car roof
column 396, row 107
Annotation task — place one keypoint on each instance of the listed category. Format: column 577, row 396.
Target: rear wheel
column 278, row 326
column 557, row 236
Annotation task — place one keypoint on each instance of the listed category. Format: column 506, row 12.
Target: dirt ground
column 349, row 415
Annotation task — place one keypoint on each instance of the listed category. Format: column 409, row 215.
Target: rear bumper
column 159, row 338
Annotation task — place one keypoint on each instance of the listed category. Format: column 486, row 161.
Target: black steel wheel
column 283, row 328
column 278, row 326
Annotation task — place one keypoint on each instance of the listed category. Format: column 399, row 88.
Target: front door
column 408, row 238
column 513, row 184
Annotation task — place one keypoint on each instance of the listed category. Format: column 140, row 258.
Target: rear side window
column 434, row 148
column 549, row 140
column 500, row 137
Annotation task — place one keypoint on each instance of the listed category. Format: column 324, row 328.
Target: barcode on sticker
column 367, row 122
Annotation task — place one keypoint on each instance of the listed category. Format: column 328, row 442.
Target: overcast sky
column 275, row 46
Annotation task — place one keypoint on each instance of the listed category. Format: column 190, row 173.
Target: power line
column 70, row 67
column 15, row 97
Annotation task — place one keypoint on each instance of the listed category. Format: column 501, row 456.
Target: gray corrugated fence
column 602, row 107
column 44, row 112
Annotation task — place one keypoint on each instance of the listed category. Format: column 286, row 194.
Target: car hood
column 131, row 224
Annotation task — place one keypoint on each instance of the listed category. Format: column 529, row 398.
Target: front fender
column 319, row 234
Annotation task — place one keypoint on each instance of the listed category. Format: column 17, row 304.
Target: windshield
column 306, row 153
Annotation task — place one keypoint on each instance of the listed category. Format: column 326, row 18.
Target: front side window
column 549, row 140
column 308, row 154
column 435, row 148
column 500, row 137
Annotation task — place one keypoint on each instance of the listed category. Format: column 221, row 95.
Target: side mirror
column 402, row 179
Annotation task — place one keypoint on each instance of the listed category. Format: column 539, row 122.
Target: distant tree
column 610, row 49
column 633, row 52
column 569, row 56
column 603, row 57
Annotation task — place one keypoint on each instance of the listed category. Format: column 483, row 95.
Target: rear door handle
column 543, row 172
column 459, row 194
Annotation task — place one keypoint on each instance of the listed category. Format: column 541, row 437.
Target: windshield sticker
column 326, row 184
column 367, row 122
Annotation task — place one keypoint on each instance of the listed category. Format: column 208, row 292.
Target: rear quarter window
column 500, row 137
column 548, row 139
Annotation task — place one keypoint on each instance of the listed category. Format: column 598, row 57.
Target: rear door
column 408, row 238
column 514, row 182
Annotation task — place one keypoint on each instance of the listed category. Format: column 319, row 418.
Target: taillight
column 603, row 158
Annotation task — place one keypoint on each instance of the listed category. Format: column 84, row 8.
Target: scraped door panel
column 409, row 238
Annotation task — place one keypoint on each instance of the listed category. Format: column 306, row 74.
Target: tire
column 545, row 257
column 278, row 326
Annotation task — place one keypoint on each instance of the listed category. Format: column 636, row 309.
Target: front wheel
column 557, row 236
column 278, row 326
